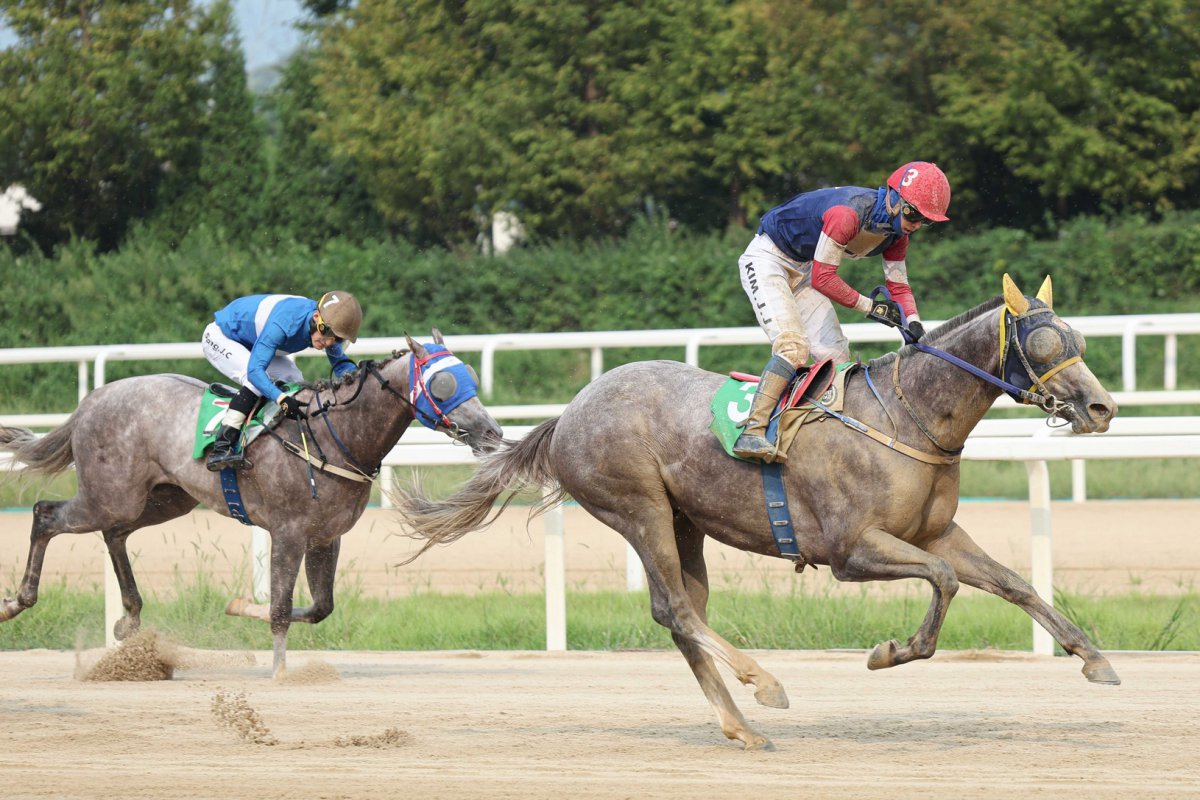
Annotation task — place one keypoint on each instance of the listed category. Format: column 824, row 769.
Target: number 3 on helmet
column 922, row 185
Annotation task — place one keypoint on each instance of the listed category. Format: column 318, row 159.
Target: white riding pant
column 232, row 359
column 784, row 300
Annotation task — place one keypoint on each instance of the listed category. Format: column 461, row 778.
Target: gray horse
column 634, row 448
column 131, row 442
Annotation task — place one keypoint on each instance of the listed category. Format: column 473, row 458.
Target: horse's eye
column 1044, row 345
column 471, row 372
column 1080, row 342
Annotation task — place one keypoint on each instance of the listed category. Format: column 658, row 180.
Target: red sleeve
column 902, row 294
column 840, row 224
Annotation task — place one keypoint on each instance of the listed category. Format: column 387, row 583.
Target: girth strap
column 233, row 496
column 775, row 495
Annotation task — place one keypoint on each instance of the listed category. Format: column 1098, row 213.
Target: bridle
column 357, row 471
column 1013, row 336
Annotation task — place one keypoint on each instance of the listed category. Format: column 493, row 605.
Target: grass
column 193, row 615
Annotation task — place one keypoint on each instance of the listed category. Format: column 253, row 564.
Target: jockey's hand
column 291, row 407
column 885, row 311
column 916, row 330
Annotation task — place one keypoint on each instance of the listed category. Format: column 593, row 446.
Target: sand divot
column 144, row 656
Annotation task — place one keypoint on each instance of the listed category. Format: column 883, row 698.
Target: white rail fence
column 92, row 360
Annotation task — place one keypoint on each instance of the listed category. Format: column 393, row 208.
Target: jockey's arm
column 839, row 225
column 895, row 273
column 260, row 358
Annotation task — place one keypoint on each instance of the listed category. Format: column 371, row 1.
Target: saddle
column 823, row 382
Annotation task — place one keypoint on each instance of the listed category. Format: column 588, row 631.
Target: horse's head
column 1043, row 356
column 444, row 395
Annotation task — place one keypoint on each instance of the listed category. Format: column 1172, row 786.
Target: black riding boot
column 226, row 450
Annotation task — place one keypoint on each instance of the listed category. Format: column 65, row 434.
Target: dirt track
column 596, row 725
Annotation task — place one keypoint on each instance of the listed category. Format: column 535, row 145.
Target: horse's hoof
column 9, row 608
column 125, row 627
column 772, row 696
column 1101, row 673
column 883, row 656
column 237, row 606
column 760, row 743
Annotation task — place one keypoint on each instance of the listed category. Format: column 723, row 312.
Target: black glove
column 885, row 311
column 916, row 330
column 291, row 407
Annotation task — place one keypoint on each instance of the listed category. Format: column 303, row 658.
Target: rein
column 1009, row 339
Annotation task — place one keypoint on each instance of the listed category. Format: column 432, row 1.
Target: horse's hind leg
column 976, row 568
column 46, row 526
column 695, row 581
column 648, row 527
column 879, row 556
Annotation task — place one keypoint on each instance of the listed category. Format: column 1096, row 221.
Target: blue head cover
column 438, row 384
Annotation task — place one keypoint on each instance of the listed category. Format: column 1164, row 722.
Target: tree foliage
column 422, row 118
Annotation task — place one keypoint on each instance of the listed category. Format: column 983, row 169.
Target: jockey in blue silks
column 252, row 340
column 789, row 272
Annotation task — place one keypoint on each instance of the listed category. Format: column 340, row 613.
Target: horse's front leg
column 976, row 568
column 286, row 553
column 320, row 566
column 879, row 556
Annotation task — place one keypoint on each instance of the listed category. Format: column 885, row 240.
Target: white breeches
column 232, row 359
column 788, row 308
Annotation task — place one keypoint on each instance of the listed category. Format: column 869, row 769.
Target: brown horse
column 634, row 448
column 131, row 442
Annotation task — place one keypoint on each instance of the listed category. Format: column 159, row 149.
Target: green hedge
column 150, row 292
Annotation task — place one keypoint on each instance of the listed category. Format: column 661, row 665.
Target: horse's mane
column 942, row 330
column 350, row 378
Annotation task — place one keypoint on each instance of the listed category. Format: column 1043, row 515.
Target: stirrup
column 750, row 445
column 231, row 459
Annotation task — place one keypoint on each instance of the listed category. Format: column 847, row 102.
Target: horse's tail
column 516, row 465
column 49, row 454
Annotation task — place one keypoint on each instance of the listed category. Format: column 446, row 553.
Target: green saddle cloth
column 212, row 412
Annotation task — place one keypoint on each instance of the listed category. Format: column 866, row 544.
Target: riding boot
column 225, row 451
column 753, row 442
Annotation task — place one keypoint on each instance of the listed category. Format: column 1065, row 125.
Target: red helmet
column 925, row 187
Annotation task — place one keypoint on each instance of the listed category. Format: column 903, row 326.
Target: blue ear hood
column 438, row 384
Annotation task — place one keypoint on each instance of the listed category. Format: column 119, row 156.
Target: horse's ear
column 437, row 337
column 1046, row 293
column 1013, row 298
column 417, row 349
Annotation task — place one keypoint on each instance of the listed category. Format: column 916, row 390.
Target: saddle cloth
column 212, row 412
column 731, row 406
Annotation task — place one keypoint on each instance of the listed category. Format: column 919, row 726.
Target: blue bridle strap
column 1000, row 383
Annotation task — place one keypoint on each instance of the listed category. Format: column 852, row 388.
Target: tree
column 221, row 178
column 100, row 99
column 312, row 195
column 1095, row 103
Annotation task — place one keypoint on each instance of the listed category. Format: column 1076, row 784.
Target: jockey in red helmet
column 789, row 272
